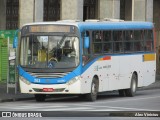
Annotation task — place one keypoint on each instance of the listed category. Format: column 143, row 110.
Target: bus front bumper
column 73, row 87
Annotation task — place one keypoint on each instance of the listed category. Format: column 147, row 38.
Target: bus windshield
column 49, row 51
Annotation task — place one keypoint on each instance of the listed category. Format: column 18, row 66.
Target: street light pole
column 34, row 11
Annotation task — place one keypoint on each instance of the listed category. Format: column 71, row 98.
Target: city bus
column 86, row 58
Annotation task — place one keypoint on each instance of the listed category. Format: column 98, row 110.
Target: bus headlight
column 24, row 80
column 70, row 82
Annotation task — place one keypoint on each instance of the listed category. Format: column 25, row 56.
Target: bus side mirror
column 15, row 42
column 86, row 42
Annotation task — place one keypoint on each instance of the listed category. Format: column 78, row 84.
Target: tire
column 133, row 87
column 40, row 97
column 92, row 96
column 122, row 93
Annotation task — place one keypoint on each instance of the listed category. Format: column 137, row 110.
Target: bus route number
column 37, row 80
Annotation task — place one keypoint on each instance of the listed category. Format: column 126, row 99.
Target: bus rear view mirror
column 86, row 42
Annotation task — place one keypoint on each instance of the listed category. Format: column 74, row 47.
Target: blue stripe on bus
column 115, row 26
column 78, row 71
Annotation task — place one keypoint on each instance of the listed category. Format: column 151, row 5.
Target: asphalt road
column 108, row 104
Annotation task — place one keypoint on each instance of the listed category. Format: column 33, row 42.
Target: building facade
column 15, row 13
column 12, row 11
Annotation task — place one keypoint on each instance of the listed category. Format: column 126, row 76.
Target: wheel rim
column 134, row 86
column 94, row 89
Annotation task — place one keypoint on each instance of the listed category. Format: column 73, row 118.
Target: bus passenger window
column 138, row 40
column 148, row 40
column 128, row 46
column 97, row 36
column 107, row 42
column 97, row 47
column 117, row 39
column 118, row 47
column 138, row 35
column 97, row 41
column 149, row 46
column 138, row 46
column 107, row 47
column 117, row 35
column 86, row 51
column 128, row 41
column 107, row 36
column 128, row 35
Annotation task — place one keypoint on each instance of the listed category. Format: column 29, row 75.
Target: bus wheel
column 92, row 96
column 40, row 97
column 132, row 90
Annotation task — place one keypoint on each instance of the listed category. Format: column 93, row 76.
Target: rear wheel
column 40, row 97
column 92, row 96
column 133, row 87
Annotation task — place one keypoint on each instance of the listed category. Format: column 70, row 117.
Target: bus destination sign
column 49, row 28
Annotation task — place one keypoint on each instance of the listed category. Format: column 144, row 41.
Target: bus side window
column 107, row 42
column 107, row 36
column 148, row 43
column 86, row 51
column 128, row 41
column 138, row 40
column 118, row 41
column 97, row 37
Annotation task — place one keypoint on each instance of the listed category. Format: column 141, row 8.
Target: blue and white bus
column 86, row 58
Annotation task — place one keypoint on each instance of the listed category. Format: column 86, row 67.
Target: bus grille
column 48, row 75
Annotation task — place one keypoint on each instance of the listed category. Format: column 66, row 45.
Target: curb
column 15, row 99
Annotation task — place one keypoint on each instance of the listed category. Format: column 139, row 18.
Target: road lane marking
column 123, row 100
column 31, row 107
column 133, row 109
column 67, row 109
column 104, row 110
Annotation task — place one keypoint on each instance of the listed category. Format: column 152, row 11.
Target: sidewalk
column 11, row 96
column 4, row 97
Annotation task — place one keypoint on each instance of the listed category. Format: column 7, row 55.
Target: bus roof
column 103, row 25
column 115, row 25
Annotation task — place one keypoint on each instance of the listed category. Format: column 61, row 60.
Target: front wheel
column 40, row 97
column 92, row 96
column 133, row 87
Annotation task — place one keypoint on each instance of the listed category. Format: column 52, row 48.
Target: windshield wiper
column 62, row 40
column 57, row 50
